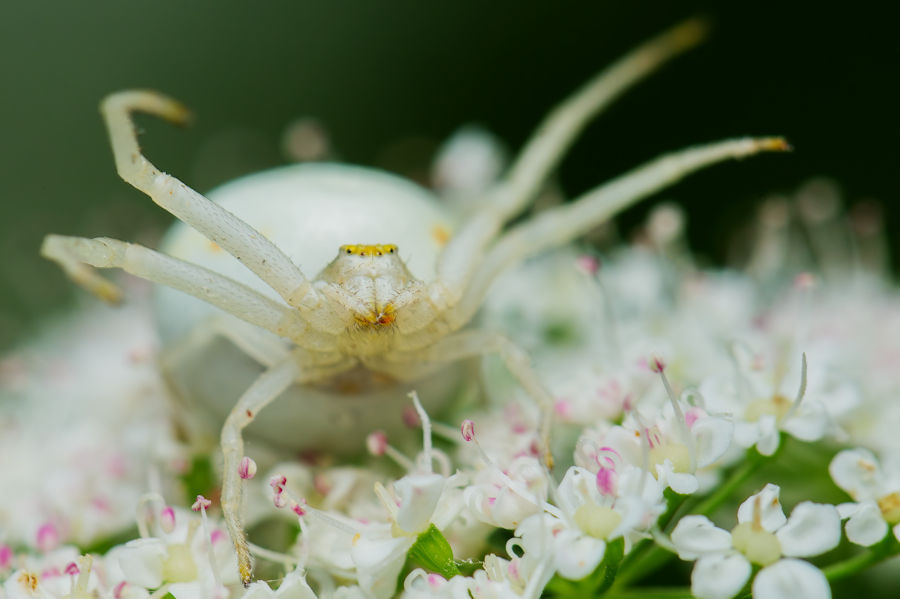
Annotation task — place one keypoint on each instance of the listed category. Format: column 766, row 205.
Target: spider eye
column 391, row 251
column 349, row 251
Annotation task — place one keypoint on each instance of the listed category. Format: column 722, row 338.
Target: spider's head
column 374, row 275
column 364, row 260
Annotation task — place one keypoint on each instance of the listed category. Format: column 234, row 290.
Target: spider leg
column 548, row 144
column 75, row 253
column 478, row 342
column 563, row 223
column 263, row 391
column 217, row 224
column 263, row 348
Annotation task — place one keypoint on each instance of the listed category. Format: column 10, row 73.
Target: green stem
column 881, row 551
column 651, row 593
column 674, row 501
column 650, row 557
column 738, row 477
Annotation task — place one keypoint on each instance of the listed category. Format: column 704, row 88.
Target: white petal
column 857, row 472
column 773, row 516
column 18, row 586
column 572, row 490
column 189, row 590
column 294, row 586
column 712, row 436
column 866, row 525
column 695, row 536
column 378, row 563
column 809, row 423
column 812, row 529
column 769, row 436
column 682, row 483
column 141, row 562
column 719, row 576
column 418, row 494
column 577, row 555
column 746, row 434
column 258, row 590
column 791, row 579
column 847, row 509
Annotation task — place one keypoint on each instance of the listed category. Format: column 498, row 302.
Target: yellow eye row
column 369, row 250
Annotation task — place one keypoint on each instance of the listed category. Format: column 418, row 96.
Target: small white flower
column 763, row 536
column 876, row 496
column 186, row 560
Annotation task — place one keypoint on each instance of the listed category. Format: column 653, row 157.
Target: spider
column 366, row 311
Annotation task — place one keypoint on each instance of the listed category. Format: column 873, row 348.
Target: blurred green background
column 377, row 73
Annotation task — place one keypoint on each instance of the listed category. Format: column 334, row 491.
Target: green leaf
column 605, row 574
column 432, row 552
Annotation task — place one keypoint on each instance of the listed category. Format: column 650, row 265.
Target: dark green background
column 379, row 72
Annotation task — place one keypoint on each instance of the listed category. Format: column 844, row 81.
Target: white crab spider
column 368, row 310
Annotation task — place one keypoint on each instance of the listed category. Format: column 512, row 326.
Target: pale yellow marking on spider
column 365, row 310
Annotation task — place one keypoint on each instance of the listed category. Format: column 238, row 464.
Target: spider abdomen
column 311, row 211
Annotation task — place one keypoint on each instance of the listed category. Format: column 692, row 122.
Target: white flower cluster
column 674, row 387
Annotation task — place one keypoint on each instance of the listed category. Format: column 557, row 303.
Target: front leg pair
column 263, row 391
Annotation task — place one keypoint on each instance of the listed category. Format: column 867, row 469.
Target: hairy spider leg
column 563, row 223
column 263, row 391
column 218, row 225
column 234, row 298
column 548, row 144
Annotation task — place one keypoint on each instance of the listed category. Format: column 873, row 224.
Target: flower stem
column 886, row 548
column 649, row 557
column 651, row 593
column 738, row 477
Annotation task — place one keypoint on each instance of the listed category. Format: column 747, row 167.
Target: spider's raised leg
column 549, row 143
column 564, row 223
column 264, row 390
column 73, row 253
column 217, row 224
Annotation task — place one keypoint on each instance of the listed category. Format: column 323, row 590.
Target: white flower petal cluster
column 84, row 420
column 876, row 495
column 764, row 537
column 663, row 377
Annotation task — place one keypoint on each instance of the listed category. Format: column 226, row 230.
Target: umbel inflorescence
column 670, row 398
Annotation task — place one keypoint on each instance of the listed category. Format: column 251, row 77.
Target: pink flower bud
column 377, row 443
column 656, row 364
column 247, row 468
column 47, row 537
column 167, row 519
column 468, row 430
